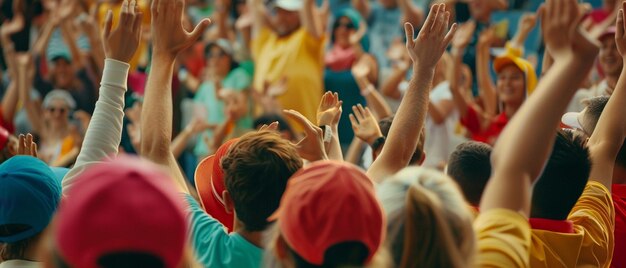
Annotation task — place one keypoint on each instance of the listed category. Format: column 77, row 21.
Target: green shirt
column 214, row 247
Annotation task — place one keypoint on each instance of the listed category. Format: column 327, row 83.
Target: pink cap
column 126, row 205
column 328, row 203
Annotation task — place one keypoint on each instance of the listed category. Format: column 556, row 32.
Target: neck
column 255, row 238
column 510, row 110
column 619, row 175
column 611, row 80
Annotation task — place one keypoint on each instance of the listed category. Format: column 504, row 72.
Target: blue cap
column 29, row 195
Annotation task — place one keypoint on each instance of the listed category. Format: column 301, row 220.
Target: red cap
column 328, row 203
column 210, row 186
column 609, row 32
column 126, row 205
column 4, row 137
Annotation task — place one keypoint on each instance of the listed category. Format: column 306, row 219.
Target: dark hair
column 595, row 106
column 267, row 119
column 470, row 166
column 129, row 259
column 345, row 254
column 563, row 179
column 233, row 63
column 15, row 250
column 385, row 125
column 256, row 170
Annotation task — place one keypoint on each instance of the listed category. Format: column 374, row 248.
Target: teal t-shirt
column 214, row 247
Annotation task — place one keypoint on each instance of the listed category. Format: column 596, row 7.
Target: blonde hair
column 430, row 224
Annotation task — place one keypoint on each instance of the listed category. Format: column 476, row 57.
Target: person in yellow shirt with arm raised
column 290, row 44
column 519, row 155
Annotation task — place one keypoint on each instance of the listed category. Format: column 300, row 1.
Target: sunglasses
column 59, row 109
column 216, row 54
column 347, row 25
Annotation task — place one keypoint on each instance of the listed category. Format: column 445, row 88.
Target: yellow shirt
column 115, row 7
column 503, row 239
column 298, row 57
column 591, row 244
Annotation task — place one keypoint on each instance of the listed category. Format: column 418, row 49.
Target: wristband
column 183, row 74
column 328, row 133
column 378, row 143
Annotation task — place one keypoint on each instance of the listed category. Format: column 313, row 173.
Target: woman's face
column 343, row 28
column 62, row 73
column 511, row 85
column 235, row 104
column 57, row 112
column 218, row 60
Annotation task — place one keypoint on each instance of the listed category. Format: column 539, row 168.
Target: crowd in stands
column 312, row 133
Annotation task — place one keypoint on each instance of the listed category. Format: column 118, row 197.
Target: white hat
column 572, row 120
column 290, row 5
column 59, row 94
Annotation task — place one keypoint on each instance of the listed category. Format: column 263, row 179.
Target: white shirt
column 440, row 139
column 20, row 264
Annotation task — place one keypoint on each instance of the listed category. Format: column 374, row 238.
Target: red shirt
column 9, row 126
column 619, row 201
column 489, row 135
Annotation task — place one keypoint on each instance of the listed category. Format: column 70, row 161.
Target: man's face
column 610, row 59
column 286, row 22
column 235, row 104
column 63, row 74
column 481, row 9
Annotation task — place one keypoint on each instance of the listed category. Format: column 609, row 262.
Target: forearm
column 411, row 13
column 408, row 122
column 334, row 148
column 180, row 142
column 513, row 172
column 309, row 19
column 97, row 52
column 435, row 114
column 104, row 132
column 69, row 37
column 40, row 45
column 485, row 84
column 546, row 62
column 454, row 73
column 390, row 86
column 363, row 7
column 355, row 151
column 609, row 135
column 222, row 22
column 374, row 100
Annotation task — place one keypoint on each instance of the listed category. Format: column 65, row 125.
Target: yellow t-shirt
column 298, row 57
column 503, row 239
column 115, row 7
column 591, row 244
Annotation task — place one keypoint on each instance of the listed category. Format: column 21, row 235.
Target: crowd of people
column 304, row 133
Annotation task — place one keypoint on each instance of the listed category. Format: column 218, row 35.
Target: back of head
column 436, row 223
column 29, row 195
column 123, row 213
column 470, row 166
column 330, row 216
column 417, row 157
column 593, row 111
column 564, row 178
column 256, row 170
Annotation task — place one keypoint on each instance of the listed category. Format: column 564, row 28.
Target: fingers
column 408, row 30
column 358, row 112
column 33, row 150
column 199, row 30
column 619, row 25
column 308, row 127
column 21, row 144
column 354, row 122
column 430, row 19
column 450, row 35
column 108, row 24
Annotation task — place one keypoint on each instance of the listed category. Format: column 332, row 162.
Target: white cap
column 571, row 120
column 290, row 5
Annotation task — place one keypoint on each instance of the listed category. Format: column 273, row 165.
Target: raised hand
column 26, row 64
column 427, row 48
column 197, row 125
column 487, row 37
column 464, row 35
column 26, row 145
column 329, row 110
column 169, row 35
column 12, row 26
column 364, row 124
column 311, row 147
column 356, row 37
column 121, row 43
column 559, row 25
column 527, row 22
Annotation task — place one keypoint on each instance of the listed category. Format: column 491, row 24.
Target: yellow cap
column 513, row 56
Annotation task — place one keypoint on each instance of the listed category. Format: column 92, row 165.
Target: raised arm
column 411, row 13
column 460, row 43
column 329, row 114
column 609, row 134
column 310, row 20
column 363, row 7
column 104, row 133
column 10, row 100
column 25, row 76
column 425, row 51
column 483, row 73
column 519, row 155
column 526, row 25
column 169, row 39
